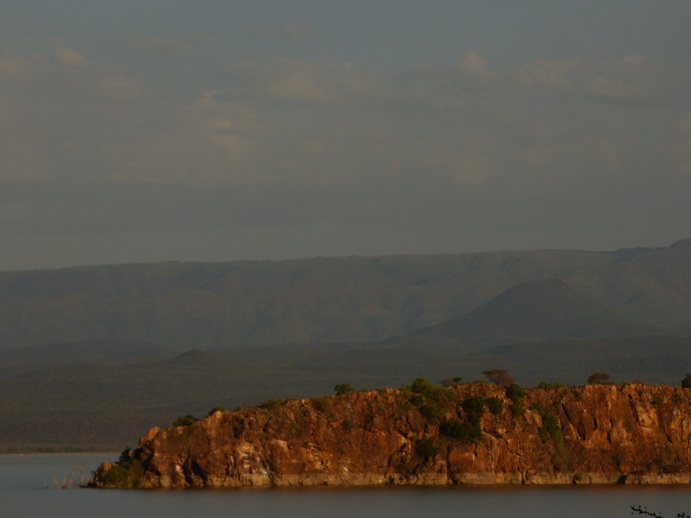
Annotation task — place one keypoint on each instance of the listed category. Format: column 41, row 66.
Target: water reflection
column 26, row 490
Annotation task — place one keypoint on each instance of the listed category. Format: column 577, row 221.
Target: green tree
column 421, row 386
column 426, row 449
column 516, row 395
column 494, row 405
column 463, row 431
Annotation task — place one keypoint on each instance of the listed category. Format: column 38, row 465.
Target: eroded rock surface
column 590, row 434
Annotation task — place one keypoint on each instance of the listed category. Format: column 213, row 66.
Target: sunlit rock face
column 591, row 434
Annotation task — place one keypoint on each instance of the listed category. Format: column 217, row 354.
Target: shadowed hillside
column 545, row 310
column 199, row 305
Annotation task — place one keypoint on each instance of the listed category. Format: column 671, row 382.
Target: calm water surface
column 26, row 491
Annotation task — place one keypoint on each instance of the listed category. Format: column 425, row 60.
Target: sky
column 220, row 130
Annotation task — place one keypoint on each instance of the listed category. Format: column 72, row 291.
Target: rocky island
column 426, row 435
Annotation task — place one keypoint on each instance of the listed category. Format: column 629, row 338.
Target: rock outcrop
column 468, row 434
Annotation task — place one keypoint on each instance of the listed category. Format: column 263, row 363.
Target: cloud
column 14, row 68
column 206, row 142
column 320, row 82
column 262, row 31
column 473, row 64
column 550, row 73
column 211, row 41
column 23, row 155
column 37, row 66
column 69, row 57
column 538, row 155
column 160, row 47
column 682, row 144
column 629, row 79
column 464, row 127
column 614, row 89
column 465, row 168
column 116, row 86
column 635, row 59
column 297, row 32
column 290, row 33
column 63, row 72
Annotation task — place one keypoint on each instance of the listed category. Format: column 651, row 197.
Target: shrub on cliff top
column 421, row 385
column 184, row 420
column 343, row 389
column 599, row 378
column 216, row 409
column 432, row 400
column 271, row 404
column 553, row 385
column 686, row 382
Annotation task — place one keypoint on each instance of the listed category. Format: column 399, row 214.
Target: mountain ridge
column 90, row 356
column 241, row 303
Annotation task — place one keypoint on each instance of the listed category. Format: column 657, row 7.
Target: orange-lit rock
column 602, row 434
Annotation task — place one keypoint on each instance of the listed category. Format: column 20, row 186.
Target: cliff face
column 470, row 434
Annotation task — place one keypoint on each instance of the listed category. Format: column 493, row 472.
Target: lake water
column 26, row 491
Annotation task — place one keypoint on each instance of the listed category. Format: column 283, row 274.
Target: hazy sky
column 216, row 129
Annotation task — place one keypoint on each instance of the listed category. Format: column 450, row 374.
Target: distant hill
column 106, row 406
column 348, row 299
column 90, row 357
column 544, row 310
column 52, row 356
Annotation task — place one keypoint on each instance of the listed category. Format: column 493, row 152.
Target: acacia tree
column 499, row 377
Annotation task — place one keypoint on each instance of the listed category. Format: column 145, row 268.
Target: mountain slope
column 544, row 310
column 239, row 303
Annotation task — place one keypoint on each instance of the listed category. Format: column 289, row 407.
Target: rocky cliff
column 426, row 435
